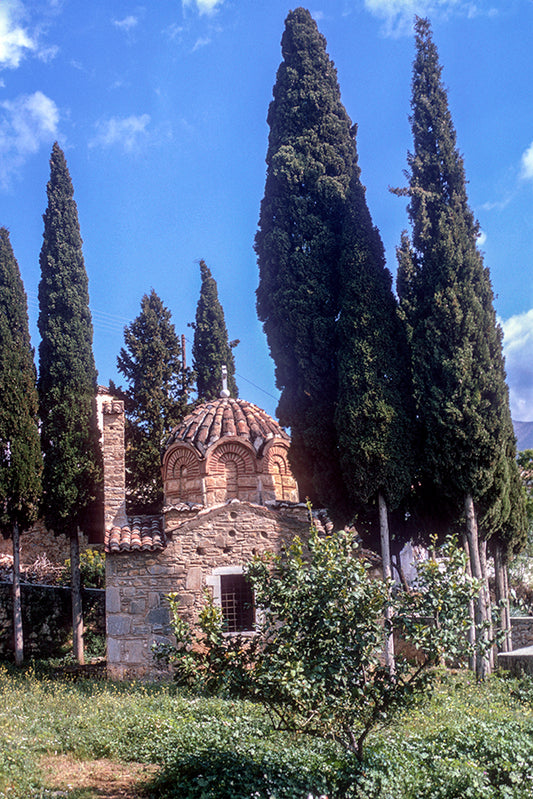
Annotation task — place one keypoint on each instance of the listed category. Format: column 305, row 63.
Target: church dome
column 226, row 416
column 227, row 449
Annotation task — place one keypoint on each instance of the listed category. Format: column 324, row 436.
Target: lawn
column 88, row 739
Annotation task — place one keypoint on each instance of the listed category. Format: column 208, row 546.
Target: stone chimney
column 112, row 429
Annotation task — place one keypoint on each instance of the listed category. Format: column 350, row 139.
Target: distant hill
column 524, row 435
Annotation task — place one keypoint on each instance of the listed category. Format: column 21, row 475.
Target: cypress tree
column 459, row 379
column 20, row 448
column 309, row 166
column 211, row 348
column 67, row 377
column 155, row 400
column 373, row 416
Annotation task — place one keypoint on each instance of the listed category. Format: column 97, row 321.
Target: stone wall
column 39, row 543
column 46, row 618
column 522, row 631
column 112, row 421
column 137, row 583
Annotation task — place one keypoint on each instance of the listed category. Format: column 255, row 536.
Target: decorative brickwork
column 223, row 463
column 114, row 462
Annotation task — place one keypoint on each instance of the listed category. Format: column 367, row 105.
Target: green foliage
column 525, row 465
column 315, row 661
column 374, row 414
column 310, row 160
column 433, row 613
column 155, row 400
column 67, row 373
column 211, row 349
column 319, row 670
column 92, row 568
column 20, row 448
column 446, row 296
column 469, row 740
column 203, row 657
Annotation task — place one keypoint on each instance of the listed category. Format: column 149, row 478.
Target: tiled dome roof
column 226, row 416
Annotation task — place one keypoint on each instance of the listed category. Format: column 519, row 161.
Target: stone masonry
column 230, row 495
column 138, row 583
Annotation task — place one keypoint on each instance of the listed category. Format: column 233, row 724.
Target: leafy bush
column 469, row 740
column 92, row 569
column 315, row 662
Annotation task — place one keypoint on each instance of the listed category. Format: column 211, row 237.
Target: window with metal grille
column 237, row 602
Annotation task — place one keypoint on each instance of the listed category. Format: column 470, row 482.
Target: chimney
column 112, row 427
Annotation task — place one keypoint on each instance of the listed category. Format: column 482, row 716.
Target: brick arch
column 231, row 473
column 278, row 480
column 182, row 475
column 234, row 451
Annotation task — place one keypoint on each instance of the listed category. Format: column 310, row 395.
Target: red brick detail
column 181, row 456
column 231, row 451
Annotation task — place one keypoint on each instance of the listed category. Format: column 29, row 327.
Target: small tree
column 211, row 349
column 315, row 661
column 67, row 378
column 155, row 400
column 20, row 449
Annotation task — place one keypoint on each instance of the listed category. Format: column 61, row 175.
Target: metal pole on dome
column 224, row 393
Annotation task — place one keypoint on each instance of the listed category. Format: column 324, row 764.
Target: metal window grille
column 237, row 603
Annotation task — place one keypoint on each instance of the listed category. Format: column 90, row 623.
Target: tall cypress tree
column 211, row 348
column 155, row 400
column 310, row 159
column 459, row 379
column 20, row 448
column 373, row 415
column 67, row 376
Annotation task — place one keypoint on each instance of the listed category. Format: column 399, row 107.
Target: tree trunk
column 17, row 604
column 77, row 608
column 508, row 625
column 487, row 600
column 471, row 612
column 482, row 660
column 387, row 576
column 502, row 597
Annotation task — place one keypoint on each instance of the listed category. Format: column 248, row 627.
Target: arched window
column 232, row 485
column 182, row 485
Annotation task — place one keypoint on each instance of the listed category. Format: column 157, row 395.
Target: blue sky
column 161, row 110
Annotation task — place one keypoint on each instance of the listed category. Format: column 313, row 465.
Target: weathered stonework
column 138, row 583
column 38, row 543
column 229, row 494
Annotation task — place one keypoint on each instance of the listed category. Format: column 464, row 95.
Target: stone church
column 229, row 495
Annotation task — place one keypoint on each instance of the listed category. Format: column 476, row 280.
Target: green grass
column 468, row 740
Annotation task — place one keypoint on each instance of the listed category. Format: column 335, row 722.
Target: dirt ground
column 96, row 779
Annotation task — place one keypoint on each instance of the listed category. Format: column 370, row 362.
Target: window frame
column 214, row 581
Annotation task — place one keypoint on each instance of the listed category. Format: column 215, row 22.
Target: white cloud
column 203, row 6
column 527, row 163
column 481, row 239
column 127, row 24
column 15, row 41
column 203, row 41
column 126, row 132
column 518, row 351
column 26, row 123
column 398, row 15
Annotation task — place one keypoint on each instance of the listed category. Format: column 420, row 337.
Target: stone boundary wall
column 46, row 618
column 522, row 631
column 38, row 542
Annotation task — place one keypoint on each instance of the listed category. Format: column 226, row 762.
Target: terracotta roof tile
column 227, row 417
column 145, row 533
